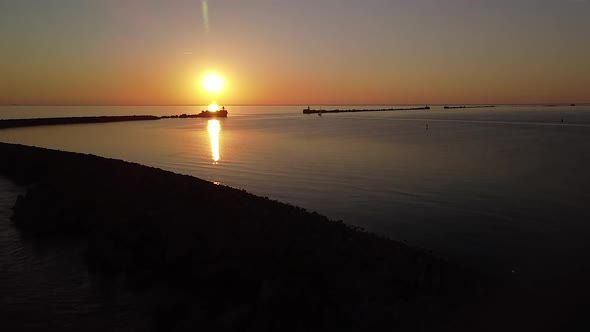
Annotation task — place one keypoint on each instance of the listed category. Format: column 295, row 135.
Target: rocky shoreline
column 228, row 260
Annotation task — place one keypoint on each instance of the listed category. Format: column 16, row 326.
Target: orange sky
column 308, row 52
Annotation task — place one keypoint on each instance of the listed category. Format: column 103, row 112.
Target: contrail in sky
column 205, row 16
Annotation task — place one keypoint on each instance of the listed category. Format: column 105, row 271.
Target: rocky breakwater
column 223, row 259
column 16, row 123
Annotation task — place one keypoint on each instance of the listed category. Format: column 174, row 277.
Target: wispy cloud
column 205, row 7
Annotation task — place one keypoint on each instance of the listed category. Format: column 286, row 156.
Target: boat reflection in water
column 214, row 127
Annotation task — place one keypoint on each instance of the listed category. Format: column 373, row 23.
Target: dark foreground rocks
column 225, row 260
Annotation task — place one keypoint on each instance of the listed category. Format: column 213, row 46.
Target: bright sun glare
column 213, row 108
column 213, row 83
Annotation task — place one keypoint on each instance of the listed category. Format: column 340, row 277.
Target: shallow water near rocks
column 46, row 286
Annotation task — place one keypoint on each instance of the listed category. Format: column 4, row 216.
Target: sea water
column 503, row 189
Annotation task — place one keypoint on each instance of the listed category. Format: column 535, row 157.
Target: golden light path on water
column 214, row 127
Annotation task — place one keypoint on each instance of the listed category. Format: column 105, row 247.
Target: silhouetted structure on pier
column 217, row 114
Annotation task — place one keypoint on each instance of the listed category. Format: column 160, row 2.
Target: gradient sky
column 295, row 52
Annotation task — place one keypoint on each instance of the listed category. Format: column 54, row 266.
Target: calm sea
column 504, row 189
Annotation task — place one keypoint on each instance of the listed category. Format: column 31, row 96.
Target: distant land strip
column 313, row 111
column 483, row 106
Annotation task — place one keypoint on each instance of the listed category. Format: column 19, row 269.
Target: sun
column 213, row 83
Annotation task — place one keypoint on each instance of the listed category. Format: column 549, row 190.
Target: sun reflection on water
column 214, row 127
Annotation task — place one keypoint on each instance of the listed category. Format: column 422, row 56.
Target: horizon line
column 305, row 104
